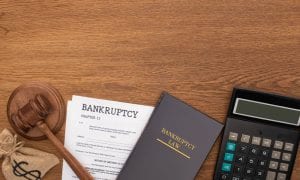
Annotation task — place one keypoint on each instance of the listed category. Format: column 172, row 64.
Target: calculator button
column 273, row 165
column 224, row 177
column 281, row 176
column 233, row 136
column 240, row 159
column 265, row 153
column 252, row 161
column 254, row 151
column 284, row 167
column 278, row 145
column 271, row 175
column 228, row 157
column 256, row 140
column 230, row 146
column 237, row 170
column 249, row 172
column 243, row 149
column 266, row 142
column 288, row 146
column 245, row 138
column 226, row 167
column 262, row 163
column 260, row 173
column 276, row 154
column 286, row 157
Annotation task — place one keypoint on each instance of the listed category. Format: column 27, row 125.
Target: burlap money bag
column 23, row 163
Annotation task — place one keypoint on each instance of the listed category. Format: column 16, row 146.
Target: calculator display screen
column 267, row 111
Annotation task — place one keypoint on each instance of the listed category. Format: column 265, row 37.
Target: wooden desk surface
column 132, row 50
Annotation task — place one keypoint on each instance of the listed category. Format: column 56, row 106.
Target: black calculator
column 260, row 138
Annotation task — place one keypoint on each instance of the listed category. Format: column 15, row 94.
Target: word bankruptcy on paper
column 101, row 134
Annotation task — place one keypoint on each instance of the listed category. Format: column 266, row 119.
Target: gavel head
column 35, row 110
column 34, row 103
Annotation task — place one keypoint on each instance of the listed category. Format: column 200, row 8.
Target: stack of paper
column 101, row 134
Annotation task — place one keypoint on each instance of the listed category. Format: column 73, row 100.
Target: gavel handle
column 79, row 170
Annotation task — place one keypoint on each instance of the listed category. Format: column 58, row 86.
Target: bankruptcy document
column 101, row 134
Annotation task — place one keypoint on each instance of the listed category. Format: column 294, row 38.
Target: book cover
column 174, row 144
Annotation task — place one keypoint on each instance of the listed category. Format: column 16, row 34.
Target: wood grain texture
column 132, row 50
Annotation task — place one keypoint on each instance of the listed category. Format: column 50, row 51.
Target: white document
column 101, row 134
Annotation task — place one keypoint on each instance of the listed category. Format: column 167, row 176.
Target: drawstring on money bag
column 23, row 162
column 7, row 142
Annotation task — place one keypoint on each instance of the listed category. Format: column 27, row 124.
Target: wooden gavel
column 34, row 114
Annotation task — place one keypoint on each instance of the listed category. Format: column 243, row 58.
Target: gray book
column 174, row 144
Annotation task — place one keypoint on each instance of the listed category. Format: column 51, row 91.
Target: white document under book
column 101, row 134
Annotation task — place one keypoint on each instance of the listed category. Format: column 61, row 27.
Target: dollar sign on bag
column 19, row 171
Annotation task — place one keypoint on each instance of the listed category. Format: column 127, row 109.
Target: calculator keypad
column 253, row 157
